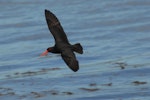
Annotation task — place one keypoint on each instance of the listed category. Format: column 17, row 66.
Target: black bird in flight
column 62, row 44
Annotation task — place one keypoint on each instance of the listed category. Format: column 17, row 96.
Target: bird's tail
column 77, row 48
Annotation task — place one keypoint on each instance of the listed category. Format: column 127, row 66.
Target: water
column 116, row 41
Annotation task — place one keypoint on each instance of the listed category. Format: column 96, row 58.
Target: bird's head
column 50, row 49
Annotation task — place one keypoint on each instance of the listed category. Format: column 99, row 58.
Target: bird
column 62, row 45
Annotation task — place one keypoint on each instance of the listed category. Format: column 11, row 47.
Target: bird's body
column 62, row 44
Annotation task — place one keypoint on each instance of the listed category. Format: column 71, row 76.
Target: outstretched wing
column 70, row 59
column 55, row 27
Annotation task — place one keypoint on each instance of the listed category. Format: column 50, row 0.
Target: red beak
column 44, row 53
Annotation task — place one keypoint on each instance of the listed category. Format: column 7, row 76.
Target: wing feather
column 55, row 27
column 70, row 59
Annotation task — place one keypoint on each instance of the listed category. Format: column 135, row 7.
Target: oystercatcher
column 62, row 44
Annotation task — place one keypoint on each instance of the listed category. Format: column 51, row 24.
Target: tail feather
column 77, row 48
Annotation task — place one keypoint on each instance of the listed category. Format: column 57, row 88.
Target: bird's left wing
column 70, row 59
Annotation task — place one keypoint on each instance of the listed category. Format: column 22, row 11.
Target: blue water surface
column 116, row 41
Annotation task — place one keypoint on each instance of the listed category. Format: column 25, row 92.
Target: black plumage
column 62, row 44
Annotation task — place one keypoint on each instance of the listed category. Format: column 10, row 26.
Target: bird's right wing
column 55, row 27
column 70, row 59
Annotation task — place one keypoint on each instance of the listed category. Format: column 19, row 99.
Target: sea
column 115, row 65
